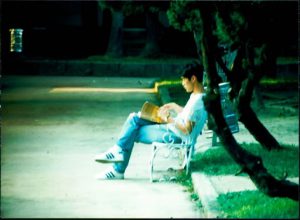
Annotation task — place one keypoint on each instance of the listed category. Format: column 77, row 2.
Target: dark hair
column 191, row 69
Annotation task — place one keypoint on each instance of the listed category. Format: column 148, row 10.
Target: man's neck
column 198, row 88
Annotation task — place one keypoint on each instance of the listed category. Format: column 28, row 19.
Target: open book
column 149, row 112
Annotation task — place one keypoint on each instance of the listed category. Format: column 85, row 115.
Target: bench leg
column 154, row 151
column 189, row 155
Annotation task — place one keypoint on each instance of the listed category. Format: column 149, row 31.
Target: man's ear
column 193, row 78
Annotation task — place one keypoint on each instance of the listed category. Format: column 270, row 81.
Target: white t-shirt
column 194, row 111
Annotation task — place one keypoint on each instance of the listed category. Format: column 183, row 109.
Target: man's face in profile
column 187, row 84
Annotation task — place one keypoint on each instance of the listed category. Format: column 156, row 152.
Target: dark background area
column 58, row 34
column 74, row 29
column 62, row 30
column 65, row 29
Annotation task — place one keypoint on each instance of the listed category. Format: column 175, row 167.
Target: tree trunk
column 248, row 162
column 243, row 102
column 197, row 39
column 152, row 26
column 115, row 44
column 248, row 117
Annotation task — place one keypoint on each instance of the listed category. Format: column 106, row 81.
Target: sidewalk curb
column 207, row 194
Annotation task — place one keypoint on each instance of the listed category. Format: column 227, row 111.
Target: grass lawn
column 252, row 204
column 216, row 161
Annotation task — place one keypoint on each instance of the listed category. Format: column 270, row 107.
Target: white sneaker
column 112, row 155
column 110, row 174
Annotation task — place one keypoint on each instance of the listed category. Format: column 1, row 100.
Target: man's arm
column 164, row 113
column 185, row 128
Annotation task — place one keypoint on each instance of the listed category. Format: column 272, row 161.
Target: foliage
column 229, row 33
column 111, row 5
column 184, row 16
column 131, row 7
column 233, row 25
column 254, row 204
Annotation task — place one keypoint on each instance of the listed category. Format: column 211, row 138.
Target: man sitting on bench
column 136, row 129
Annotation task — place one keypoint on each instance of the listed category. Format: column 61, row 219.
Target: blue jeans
column 136, row 129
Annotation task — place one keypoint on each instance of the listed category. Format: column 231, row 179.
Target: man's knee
column 133, row 117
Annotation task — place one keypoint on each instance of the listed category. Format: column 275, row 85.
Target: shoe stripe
column 109, row 156
column 110, row 175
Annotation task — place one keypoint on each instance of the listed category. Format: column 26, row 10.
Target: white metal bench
column 184, row 151
column 187, row 148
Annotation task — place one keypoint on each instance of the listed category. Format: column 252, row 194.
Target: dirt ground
column 280, row 115
column 48, row 143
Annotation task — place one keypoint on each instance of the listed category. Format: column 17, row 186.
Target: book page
column 149, row 112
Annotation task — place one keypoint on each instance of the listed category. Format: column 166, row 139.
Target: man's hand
column 164, row 113
column 171, row 107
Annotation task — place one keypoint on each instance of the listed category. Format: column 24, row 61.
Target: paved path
column 48, row 143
